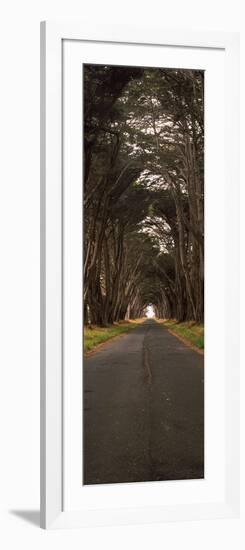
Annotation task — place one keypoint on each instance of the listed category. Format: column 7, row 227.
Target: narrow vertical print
column 143, row 190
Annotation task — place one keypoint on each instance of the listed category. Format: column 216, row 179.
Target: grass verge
column 93, row 336
column 191, row 332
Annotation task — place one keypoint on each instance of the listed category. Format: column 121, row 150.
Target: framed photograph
column 139, row 255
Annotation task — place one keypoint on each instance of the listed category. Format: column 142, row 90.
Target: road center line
column 146, row 360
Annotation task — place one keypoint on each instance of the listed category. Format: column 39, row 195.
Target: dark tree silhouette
column 143, row 193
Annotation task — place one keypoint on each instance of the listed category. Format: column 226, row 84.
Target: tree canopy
column 143, row 193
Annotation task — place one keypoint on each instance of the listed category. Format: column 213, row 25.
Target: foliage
column 143, row 193
column 192, row 332
column 96, row 335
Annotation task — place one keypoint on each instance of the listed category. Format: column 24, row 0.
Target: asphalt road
column 143, row 409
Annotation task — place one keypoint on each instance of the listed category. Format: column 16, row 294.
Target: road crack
column 146, row 360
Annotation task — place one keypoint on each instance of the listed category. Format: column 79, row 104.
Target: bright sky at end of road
column 150, row 312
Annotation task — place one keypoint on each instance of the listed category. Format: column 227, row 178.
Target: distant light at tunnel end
column 150, row 312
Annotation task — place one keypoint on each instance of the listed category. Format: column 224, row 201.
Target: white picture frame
column 54, row 458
